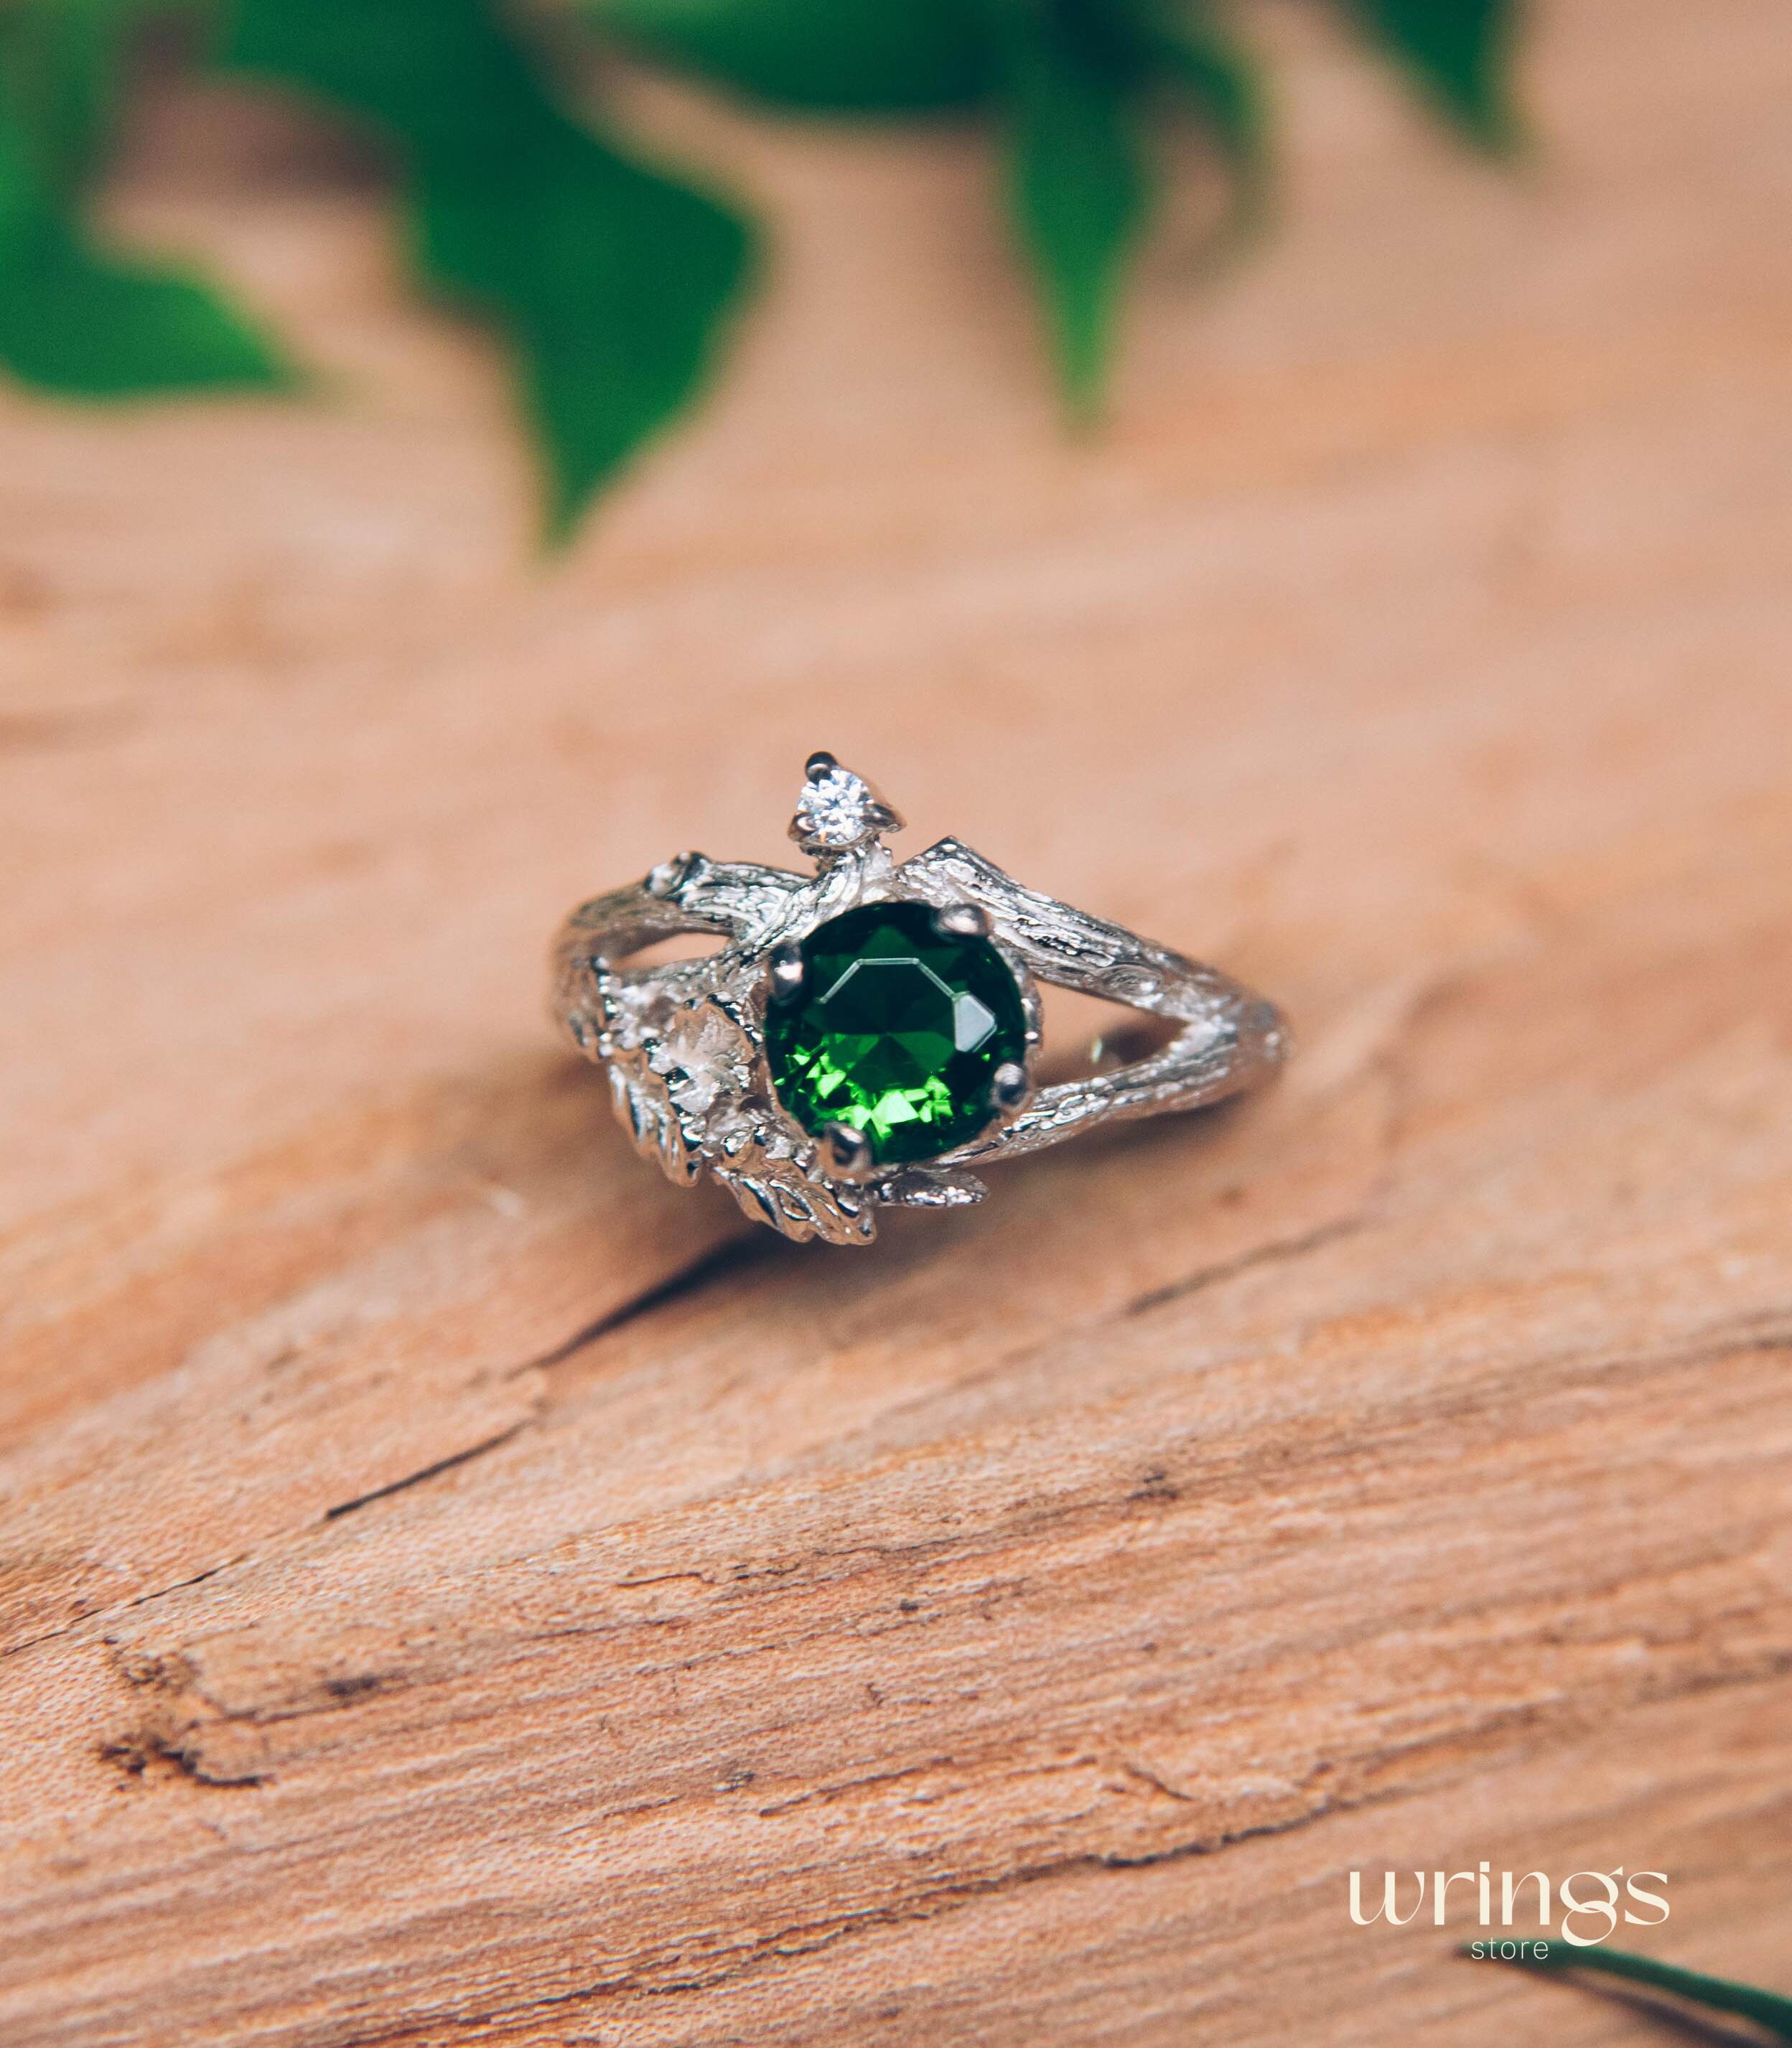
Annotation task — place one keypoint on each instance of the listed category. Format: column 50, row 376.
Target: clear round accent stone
column 836, row 809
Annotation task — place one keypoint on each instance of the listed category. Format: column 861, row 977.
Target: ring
column 867, row 1035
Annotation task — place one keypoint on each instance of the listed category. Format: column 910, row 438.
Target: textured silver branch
column 1231, row 1036
column 685, row 1043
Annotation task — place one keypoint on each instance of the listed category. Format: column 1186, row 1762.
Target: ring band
column 867, row 1035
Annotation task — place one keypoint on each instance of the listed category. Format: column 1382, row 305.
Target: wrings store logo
column 1583, row 1907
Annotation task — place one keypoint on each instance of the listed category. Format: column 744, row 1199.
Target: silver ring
column 867, row 1035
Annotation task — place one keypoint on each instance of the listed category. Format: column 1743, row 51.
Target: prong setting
column 663, row 881
column 1009, row 1086
column 784, row 967
column 963, row 921
column 846, row 1153
column 820, row 763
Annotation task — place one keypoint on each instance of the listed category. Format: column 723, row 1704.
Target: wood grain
column 458, row 1589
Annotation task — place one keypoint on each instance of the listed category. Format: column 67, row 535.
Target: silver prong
column 818, row 764
column 846, row 1152
column 664, row 878
column 962, row 921
column 1009, row 1086
column 786, row 965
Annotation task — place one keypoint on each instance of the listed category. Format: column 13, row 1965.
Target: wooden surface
column 458, row 1589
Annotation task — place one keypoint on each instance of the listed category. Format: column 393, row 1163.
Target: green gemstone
column 897, row 1031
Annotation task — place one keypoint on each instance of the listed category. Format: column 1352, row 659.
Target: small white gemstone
column 835, row 809
column 700, row 1059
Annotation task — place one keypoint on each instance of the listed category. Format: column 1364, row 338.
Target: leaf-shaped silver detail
column 931, row 1187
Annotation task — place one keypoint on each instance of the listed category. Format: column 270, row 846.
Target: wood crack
column 454, row 1459
column 1278, row 1252
column 733, row 1255
column 122, row 1607
column 702, row 1271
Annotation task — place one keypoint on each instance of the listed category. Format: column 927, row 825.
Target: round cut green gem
column 897, row 1031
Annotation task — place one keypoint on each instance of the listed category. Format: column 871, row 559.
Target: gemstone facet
column 897, row 1031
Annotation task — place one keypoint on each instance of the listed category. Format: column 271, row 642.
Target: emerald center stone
column 897, row 1031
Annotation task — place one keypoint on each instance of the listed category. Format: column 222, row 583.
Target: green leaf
column 1765, row 2008
column 841, row 56
column 75, row 316
column 1460, row 52
column 77, row 320
column 609, row 279
column 62, row 62
column 1078, row 183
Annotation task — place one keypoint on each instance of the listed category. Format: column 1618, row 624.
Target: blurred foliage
column 1459, row 53
column 76, row 315
column 1765, row 2009
column 610, row 279
column 606, row 278
column 1079, row 187
column 835, row 56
